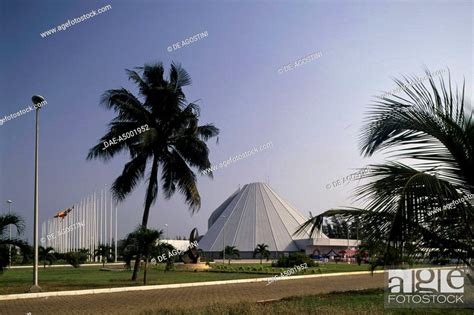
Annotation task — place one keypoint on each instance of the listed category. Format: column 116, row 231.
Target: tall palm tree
column 431, row 128
column 104, row 252
column 144, row 242
column 6, row 243
column 46, row 255
column 262, row 251
column 174, row 142
column 231, row 252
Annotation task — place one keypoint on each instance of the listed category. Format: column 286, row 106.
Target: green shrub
column 294, row 259
column 76, row 258
column 169, row 265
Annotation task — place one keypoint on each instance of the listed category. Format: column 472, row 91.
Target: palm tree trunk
column 144, row 272
column 149, row 199
column 135, row 267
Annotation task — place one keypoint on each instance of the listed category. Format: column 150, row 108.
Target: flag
column 61, row 214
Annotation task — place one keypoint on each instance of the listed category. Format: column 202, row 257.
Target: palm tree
column 6, row 243
column 46, row 255
column 162, row 248
column 144, row 242
column 431, row 126
column 262, row 250
column 174, row 140
column 231, row 252
column 104, row 252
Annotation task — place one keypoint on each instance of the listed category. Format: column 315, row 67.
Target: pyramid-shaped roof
column 253, row 215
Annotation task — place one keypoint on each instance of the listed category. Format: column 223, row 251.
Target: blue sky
column 312, row 114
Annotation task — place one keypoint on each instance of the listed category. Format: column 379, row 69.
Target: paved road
column 140, row 301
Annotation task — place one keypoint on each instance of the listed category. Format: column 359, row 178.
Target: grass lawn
column 59, row 279
column 351, row 302
column 90, row 277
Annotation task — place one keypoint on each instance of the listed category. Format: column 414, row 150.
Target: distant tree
column 104, row 252
column 141, row 243
column 8, row 245
column 76, row 258
column 231, row 252
column 262, row 251
column 46, row 255
column 161, row 248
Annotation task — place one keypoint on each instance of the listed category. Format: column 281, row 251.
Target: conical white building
column 253, row 215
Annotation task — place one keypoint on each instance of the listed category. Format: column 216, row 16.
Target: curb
column 62, row 266
column 21, row 296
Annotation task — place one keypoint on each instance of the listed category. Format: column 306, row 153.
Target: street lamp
column 223, row 240
column 348, row 226
column 166, row 226
column 9, row 234
column 37, row 99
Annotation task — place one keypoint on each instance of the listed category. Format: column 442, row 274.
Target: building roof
column 253, row 215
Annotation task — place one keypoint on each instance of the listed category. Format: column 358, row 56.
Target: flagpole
column 95, row 221
column 115, row 232
column 89, row 230
column 81, row 218
column 101, row 208
column 87, row 223
column 105, row 216
column 111, row 209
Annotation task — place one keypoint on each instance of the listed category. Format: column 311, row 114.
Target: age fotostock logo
column 426, row 288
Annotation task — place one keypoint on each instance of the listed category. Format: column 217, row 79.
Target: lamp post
column 166, row 226
column 9, row 234
column 223, row 240
column 348, row 226
column 37, row 100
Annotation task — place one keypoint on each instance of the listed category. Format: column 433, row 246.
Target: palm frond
column 11, row 219
column 132, row 173
column 430, row 125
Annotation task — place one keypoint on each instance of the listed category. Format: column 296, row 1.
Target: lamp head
column 37, row 99
column 9, row 201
